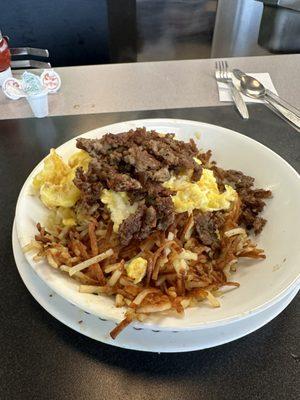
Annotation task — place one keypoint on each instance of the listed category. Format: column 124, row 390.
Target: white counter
column 153, row 85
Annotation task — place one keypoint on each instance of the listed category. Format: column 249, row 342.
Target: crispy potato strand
column 163, row 287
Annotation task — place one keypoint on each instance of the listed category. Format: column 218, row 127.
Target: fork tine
column 222, row 69
column 226, row 69
column 217, row 70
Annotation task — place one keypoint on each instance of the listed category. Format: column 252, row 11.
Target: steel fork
column 222, row 75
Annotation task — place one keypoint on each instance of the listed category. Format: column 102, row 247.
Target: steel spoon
column 251, row 87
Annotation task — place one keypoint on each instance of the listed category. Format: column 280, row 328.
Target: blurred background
column 87, row 32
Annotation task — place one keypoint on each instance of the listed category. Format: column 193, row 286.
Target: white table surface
column 153, row 85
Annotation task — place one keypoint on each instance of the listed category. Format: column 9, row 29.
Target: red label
column 4, row 55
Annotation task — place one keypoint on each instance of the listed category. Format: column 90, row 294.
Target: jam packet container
column 34, row 88
column 36, row 94
column 51, row 80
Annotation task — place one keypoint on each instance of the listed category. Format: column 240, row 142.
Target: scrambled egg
column 61, row 216
column 136, row 269
column 55, row 182
column 79, row 159
column 203, row 195
column 57, row 190
column 118, row 205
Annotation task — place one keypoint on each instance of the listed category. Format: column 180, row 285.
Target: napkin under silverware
column 263, row 77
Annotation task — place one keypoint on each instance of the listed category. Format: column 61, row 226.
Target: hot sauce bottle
column 5, row 70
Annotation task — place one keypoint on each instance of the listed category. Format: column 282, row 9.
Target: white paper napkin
column 263, row 77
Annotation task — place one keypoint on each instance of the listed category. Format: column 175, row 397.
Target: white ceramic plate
column 131, row 338
column 263, row 283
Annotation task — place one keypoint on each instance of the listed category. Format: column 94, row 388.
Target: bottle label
column 4, row 75
column 4, row 55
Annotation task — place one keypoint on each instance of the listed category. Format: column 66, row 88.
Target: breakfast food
column 148, row 219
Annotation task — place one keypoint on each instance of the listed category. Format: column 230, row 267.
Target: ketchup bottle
column 5, row 71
